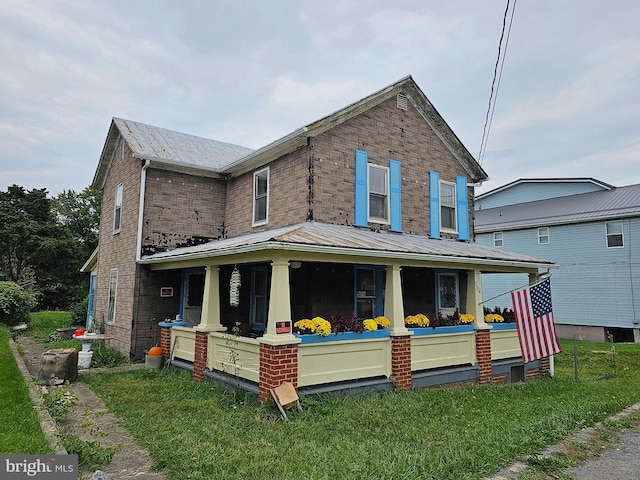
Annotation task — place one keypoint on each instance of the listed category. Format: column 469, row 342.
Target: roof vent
column 401, row 101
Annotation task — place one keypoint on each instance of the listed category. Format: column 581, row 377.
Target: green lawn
column 201, row 431
column 20, row 431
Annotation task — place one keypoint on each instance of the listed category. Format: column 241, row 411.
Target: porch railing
column 183, row 343
column 442, row 350
column 234, row 355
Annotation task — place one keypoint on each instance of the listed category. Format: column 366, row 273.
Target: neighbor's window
column 117, row 211
column 260, row 196
column 543, row 235
column 378, row 193
column 448, row 206
column 614, row 234
column 113, row 293
column 497, row 239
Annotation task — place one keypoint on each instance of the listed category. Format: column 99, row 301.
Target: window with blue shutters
column 378, row 196
column 448, row 207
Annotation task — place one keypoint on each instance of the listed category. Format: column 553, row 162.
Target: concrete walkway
column 89, row 420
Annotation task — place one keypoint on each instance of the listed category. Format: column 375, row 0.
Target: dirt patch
column 91, row 421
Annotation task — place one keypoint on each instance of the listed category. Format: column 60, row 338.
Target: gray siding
column 530, row 192
column 594, row 286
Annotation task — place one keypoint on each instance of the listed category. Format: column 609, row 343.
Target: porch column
column 393, row 305
column 400, row 335
column 210, row 317
column 483, row 330
column 278, row 351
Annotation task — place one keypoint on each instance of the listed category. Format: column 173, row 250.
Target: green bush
column 79, row 312
column 15, row 304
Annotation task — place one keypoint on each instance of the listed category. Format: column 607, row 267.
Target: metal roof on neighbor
column 315, row 237
column 585, row 207
column 166, row 146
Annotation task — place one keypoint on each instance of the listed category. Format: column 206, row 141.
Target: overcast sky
column 249, row 72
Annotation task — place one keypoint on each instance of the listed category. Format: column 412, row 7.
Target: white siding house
column 591, row 236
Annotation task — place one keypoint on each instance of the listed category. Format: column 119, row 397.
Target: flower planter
column 503, row 326
column 314, row 338
column 442, row 330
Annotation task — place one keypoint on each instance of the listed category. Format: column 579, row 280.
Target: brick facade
column 200, row 355
column 401, row 362
column 483, row 356
column 278, row 363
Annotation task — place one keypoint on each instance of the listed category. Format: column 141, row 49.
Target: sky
column 251, row 71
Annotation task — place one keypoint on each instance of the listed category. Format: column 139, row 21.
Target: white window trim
column 254, row 222
column 455, row 208
column 111, row 319
column 117, row 204
column 496, row 239
column 540, row 236
column 371, row 219
column 607, row 234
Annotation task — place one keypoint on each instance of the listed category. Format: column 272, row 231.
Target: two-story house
column 589, row 229
column 368, row 210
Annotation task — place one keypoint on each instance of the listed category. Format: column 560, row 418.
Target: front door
column 193, row 294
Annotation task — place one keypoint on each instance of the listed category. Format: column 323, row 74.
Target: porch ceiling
column 341, row 243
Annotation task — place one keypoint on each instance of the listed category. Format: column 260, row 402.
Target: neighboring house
column 590, row 230
column 366, row 211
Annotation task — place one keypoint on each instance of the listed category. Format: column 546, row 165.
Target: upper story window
column 261, row 196
column 543, row 235
column 614, row 234
column 117, row 211
column 498, row 240
column 448, row 206
column 378, row 194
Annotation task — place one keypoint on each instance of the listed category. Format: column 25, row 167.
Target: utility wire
column 497, row 76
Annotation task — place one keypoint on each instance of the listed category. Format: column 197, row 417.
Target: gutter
column 143, row 182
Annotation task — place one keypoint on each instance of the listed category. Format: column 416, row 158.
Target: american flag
column 534, row 321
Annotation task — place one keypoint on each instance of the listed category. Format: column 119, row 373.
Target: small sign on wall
column 283, row 326
column 166, row 291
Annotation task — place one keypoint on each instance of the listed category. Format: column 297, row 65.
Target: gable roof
column 167, row 149
column 521, row 181
column 585, row 207
column 336, row 240
column 189, row 153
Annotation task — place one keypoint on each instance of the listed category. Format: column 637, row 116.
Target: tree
column 79, row 213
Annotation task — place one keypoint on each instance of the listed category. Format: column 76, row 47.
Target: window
column 614, row 234
column 543, row 235
column 117, row 211
column 447, row 206
column 378, row 193
column 113, row 293
column 259, row 288
column 447, row 293
column 498, row 239
column 369, row 290
column 260, row 197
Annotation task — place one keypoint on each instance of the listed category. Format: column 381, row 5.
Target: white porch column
column 393, row 305
column 210, row 317
column 474, row 299
column 279, row 305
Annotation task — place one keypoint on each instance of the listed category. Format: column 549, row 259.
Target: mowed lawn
column 202, row 431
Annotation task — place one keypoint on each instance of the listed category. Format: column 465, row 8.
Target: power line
column 497, row 76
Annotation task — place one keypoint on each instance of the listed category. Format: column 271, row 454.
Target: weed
column 58, row 400
column 91, row 454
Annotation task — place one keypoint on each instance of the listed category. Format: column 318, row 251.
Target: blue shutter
column 462, row 208
column 362, row 191
column 395, row 181
column 434, row 204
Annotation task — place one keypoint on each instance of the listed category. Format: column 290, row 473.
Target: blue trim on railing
column 173, row 324
column 337, row 337
column 502, row 326
column 440, row 330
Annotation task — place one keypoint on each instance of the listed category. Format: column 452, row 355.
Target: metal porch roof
column 315, row 237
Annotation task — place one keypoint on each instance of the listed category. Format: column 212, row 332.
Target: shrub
column 15, row 304
column 79, row 312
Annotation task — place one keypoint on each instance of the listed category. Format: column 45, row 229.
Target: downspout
column 143, row 182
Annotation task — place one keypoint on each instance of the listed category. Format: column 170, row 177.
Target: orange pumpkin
column 155, row 352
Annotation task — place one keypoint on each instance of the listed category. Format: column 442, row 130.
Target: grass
column 200, row 430
column 20, row 431
column 43, row 324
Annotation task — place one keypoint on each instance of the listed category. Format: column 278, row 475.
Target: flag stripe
column 536, row 334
